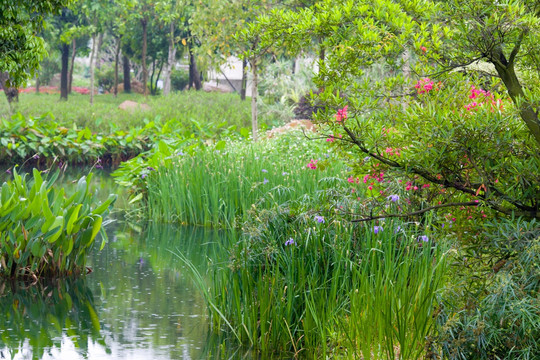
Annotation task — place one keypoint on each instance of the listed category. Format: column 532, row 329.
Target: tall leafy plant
column 43, row 232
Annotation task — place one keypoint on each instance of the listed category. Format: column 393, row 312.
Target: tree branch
column 515, row 50
column 419, row 212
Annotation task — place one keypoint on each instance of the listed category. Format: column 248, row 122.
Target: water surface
column 138, row 302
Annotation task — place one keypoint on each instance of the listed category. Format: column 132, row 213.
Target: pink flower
column 424, row 85
column 342, row 114
column 423, row 48
column 312, row 164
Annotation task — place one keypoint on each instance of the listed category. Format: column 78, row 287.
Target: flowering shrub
column 424, row 86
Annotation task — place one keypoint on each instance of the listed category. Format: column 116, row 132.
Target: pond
column 137, row 303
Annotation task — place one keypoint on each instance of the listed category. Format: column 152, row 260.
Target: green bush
column 493, row 312
column 302, row 281
column 44, row 232
column 105, row 77
column 49, row 67
column 179, row 79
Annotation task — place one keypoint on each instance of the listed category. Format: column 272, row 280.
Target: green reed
column 218, row 188
column 315, row 288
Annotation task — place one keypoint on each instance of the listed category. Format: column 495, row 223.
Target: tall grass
column 218, row 188
column 313, row 287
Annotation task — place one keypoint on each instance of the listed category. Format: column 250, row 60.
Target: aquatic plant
column 44, row 232
column 42, row 140
column 317, row 289
column 207, row 186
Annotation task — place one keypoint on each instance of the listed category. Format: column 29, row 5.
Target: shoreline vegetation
column 298, row 278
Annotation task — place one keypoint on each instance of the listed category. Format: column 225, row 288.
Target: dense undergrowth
column 218, row 185
column 299, row 278
column 43, row 140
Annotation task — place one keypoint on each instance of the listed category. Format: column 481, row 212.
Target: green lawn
column 201, row 106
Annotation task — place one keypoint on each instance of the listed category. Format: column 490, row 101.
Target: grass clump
column 218, row 185
column 303, row 282
column 492, row 311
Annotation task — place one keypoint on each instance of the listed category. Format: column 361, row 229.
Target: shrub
column 105, row 77
column 45, row 233
column 179, row 79
column 216, row 185
column 495, row 314
column 301, row 280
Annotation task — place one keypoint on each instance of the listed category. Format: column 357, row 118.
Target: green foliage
column 179, row 79
column 45, row 233
column 44, row 140
column 435, row 125
column 281, row 90
column 20, row 46
column 303, row 282
column 49, row 67
column 500, row 318
column 105, row 77
column 216, row 185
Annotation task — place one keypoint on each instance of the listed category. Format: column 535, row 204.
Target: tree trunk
column 92, row 55
column 64, row 72
column 12, row 93
column 37, row 84
column 406, row 67
column 157, row 77
column 144, row 23
column 322, row 55
column 194, row 77
column 98, row 50
column 152, row 89
column 170, row 63
column 506, row 71
column 127, row 74
column 244, row 80
column 254, row 91
column 72, row 65
column 116, row 57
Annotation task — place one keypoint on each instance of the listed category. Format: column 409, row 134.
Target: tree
column 450, row 137
column 62, row 32
column 154, row 52
column 222, row 29
column 21, row 47
column 174, row 14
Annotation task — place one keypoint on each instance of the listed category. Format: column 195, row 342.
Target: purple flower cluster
column 290, row 242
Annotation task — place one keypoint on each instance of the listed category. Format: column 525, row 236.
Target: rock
column 306, row 124
column 132, row 105
column 212, row 86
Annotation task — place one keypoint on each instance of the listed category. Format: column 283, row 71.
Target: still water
column 137, row 303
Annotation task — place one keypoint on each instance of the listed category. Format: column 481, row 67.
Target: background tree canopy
column 20, row 45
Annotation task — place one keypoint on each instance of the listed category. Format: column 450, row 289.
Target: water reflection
column 39, row 319
column 139, row 303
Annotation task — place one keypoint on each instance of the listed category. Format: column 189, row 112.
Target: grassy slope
column 201, row 106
